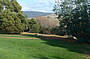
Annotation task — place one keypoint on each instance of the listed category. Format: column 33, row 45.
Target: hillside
column 32, row 14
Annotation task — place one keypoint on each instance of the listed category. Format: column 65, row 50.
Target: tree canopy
column 74, row 16
column 12, row 20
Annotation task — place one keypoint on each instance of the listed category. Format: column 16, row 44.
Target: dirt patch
column 45, row 35
column 29, row 33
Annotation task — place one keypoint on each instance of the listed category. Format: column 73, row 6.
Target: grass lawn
column 13, row 48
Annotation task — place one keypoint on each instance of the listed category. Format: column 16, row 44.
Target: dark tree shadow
column 61, row 42
column 43, row 57
column 53, row 57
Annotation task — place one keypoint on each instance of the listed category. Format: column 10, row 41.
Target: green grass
column 41, row 49
column 20, row 36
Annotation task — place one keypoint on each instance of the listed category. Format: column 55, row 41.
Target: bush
column 57, row 31
column 33, row 26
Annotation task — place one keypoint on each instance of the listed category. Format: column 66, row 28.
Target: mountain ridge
column 32, row 14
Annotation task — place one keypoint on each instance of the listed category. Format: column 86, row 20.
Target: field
column 30, row 46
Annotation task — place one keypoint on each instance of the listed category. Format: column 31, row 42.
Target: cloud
column 25, row 7
column 37, row 5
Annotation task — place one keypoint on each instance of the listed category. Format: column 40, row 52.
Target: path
column 26, row 33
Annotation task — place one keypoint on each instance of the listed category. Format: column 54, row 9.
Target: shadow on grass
column 42, row 57
column 61, row 42
column 10, row 33
column 48, row 57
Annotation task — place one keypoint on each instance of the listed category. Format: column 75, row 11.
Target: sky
column 37, row 5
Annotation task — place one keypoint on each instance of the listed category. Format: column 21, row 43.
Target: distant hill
column 32, row 14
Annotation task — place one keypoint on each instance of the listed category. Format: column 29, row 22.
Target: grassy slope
column 40, row 49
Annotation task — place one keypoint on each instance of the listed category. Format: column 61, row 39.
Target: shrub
column 33, row 26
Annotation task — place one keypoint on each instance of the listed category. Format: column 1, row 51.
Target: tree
column 33, row 26
column 74, row 16
column 12, row 20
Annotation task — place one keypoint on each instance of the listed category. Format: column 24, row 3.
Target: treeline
column 37, row 26
column 74, row 17
column 12, row 20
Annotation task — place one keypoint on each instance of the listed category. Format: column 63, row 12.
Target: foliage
column 47, row 23
column 33, row 26
column 74, row 18
column 12, row 20
column 45, row 30
column 57, row 31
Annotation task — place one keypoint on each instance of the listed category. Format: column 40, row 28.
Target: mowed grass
column 17, row 36
column 42, row 48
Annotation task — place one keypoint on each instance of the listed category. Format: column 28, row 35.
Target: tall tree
column 12, row 20
column 74, row 16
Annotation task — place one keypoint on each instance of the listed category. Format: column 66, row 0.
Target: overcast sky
column 37, row 5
